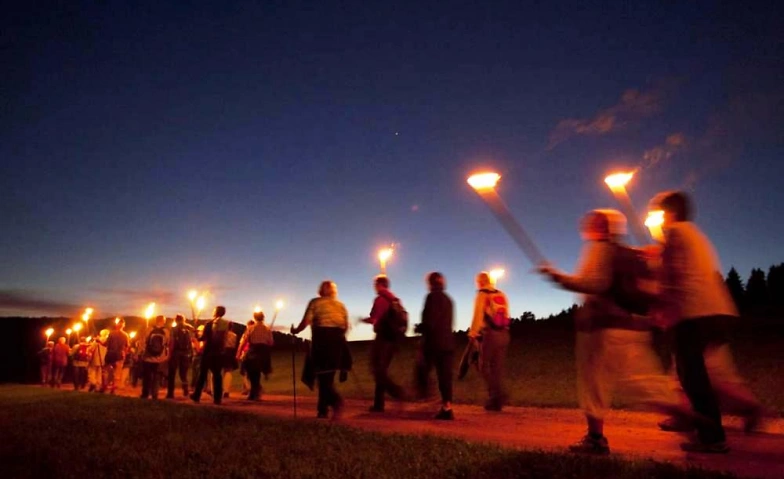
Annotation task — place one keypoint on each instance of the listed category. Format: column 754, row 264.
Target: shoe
column 753, row 422
column 676, row 424
column 705, row 448
column 591, row 445
column 376, row 409
column 194, row 398
column 445, row 415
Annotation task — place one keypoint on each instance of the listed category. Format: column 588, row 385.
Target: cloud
column 163, row 297
column 673, row 144
column 29, row 301
column 633, row 106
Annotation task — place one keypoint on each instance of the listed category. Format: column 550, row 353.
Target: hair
column 326, row 288
column 179, row 318
column 436, row 281
column 160, row 319
column 258, row 316
column 220, row 311
column 679, row 204
column 382, row 280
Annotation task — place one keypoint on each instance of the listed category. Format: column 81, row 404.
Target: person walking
column 60, row 353
column 80, row 356
column 490, row 330
column 116, row 348
column 96, row 377
column 257, row 343
column 155, row 356
column 181, row 355
column 214, row 338
column 230, row 363
column 328, row 320
column 696, row 303
column 438, row 344
column 390, row 322
column 45, row 363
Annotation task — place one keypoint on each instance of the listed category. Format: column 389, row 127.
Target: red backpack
column 84, row 353
column 498, row 318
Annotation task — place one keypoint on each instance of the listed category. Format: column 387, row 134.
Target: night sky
column 253, row 149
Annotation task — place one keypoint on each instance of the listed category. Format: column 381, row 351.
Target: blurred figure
column 613, row 344
column 695, row 302
column 230, row 363
column 116, row 348
column 59, row 361
column 390, row 322
column 490, row 328
column 45, row 363
column 181, row 355
column 155, row 356
column 328, row 319
column 197, row 352
column 257, row 360
column 81, row 356
column 242, row 351
column 438, row 344
column 95, row 371
column 212, row 358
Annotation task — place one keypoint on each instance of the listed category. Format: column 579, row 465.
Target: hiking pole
column 294, row 369
column 484, row 185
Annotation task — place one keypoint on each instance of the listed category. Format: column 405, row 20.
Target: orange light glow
column 150, row 311
column 484, row 181
column 89, row 311
column 257, row 309
column 201, row 301
column 496, row 274
column 385, row 254
column 654, row 223
column 48, row 332
column 192, row 295
column 279, row 305
column 68, row 331
column 618, row 181
column 132, row 334
column 77, row 327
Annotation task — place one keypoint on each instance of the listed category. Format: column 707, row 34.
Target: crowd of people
column 675, row 285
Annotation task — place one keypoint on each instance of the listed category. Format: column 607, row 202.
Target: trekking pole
column 294, row 370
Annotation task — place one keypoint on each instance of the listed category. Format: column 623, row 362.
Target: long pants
column 46, row 372
column 96, row 376
column 494, row 346
column 255, row 364
column 226, row 381
column 708, row 374
column 195, row 368
column 114, row 374
column 443, row 362
column 151, row 379
column 327, row 394
column 57, row 375
column 178, row 363
column 619, row 359
column 253, row 372
column 79, row 377
column 381, row 354
column 210, row 365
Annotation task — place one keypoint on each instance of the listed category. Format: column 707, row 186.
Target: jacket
column 482, row 309
column 164, row 356
column 60, row 354
column 325, row 312
column 437, row 321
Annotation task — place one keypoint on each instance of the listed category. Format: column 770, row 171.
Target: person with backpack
column 490, row 329
column 155, row 355
column 695, row 302
column 214, row 337
column 257, row 359
column 45, row 363
column 438, row 344
column 96, row 377
column 80, row 355
column 60, row 353
column 328, row 320
column 116, row 348
column 613, row 346
column 181, row 355
column 390, row 322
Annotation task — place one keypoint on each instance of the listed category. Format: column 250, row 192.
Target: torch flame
column 279, row 304
column 132, row 334
column 49, row 332
column 257, row 309
column 483, row 181
column 150, row 311
column 192, row 294
column 77, row 327
column 618, row 180
column 89, row 311
column 385, row 254
column 496, row 274
column 68, row 331
column 200, row 302
column 654, row 219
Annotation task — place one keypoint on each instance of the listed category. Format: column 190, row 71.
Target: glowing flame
column 654, row 222
column 279, row 304
column 192, row 295
column 77, row 327
column 89, row 311
column 174, row 324
column 117, row 320
column 49, row 332
column 618, row 180
column 496, row 274
column 150, row 311
column 132, row 334
column 68, row 331
column 257, row 309
column 484, row 181
column 200, row 303
column 385, row 254
column 88, row 339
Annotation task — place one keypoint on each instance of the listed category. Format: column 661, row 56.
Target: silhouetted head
column 677, row 206
column 483, row 280
column 328, row 289
column 120, row 323
column 160, row 321
column 436, row 281
column 179, row 319
column 259, row 316
column 220, row 312
column 602, row 225
column 61, row 340
column 381, row 283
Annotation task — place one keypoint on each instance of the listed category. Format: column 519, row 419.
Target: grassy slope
column 59, row 434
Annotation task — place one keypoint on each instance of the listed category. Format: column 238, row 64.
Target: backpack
column 183, row 340
column 84, row 353
column 219, row 336
column 499, row 310
column 156, row 343
column 630, row 275
column 395, row 322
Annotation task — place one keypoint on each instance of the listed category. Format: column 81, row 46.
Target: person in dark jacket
column 212, row 358
column 385, row 345
column 181, row 355
column 438, row 344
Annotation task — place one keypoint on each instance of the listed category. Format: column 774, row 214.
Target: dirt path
column 631, row 434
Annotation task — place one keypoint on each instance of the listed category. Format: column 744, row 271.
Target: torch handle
column 515, row 230
column 634, row 221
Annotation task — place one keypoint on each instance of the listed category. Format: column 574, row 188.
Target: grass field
column 540, row 369
column 50, row 433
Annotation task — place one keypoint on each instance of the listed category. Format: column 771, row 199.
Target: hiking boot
column 705, row 448
column 591, row 445
column 376, row 409
column 676, row 424
column 445, row 415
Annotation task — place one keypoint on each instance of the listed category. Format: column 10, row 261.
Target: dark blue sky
column 258, row 148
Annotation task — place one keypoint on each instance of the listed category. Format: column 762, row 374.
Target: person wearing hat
column 214, row 338
column 613, row 344
column 697, row 305
column 256, row 360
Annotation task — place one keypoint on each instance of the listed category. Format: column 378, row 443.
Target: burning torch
column 617, row 183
